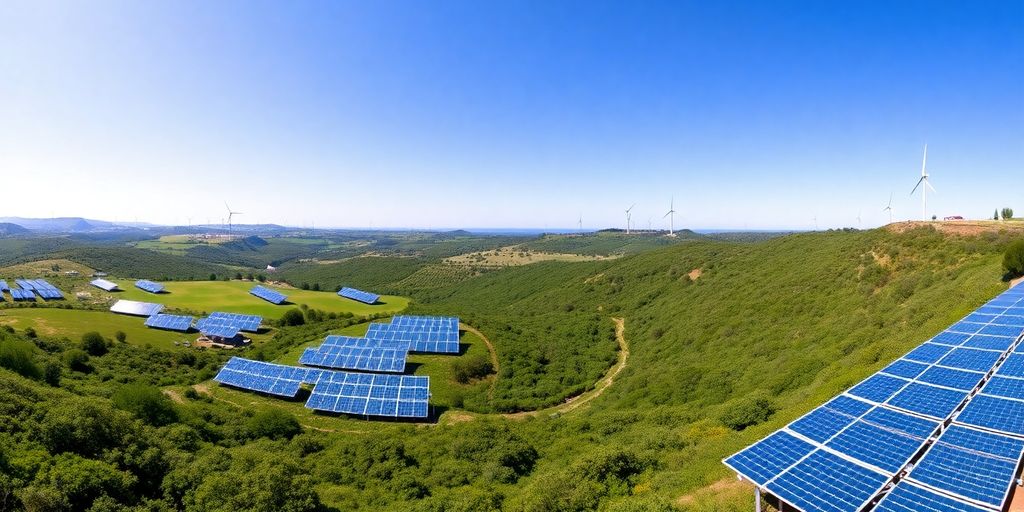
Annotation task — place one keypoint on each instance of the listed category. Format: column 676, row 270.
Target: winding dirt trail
column 585, row 398
column 490, row 350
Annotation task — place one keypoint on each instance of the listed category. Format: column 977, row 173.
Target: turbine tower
column 230, row 215
column 889, row 208
column 925, row 185
column 671, row 217
column 579, row 223
column 629, row 217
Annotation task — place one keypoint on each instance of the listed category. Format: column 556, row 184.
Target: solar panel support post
column 757, row 499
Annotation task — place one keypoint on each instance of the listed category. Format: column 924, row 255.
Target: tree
column 238, row 276
column 120, row 336
column 17, row 357
column 995, row 216
column 51, row 373
column 77, row 360
column 1013, row 259
column 261, row 278
column 293, row 317
column 146, row 402
column 1007, row 213
column 748, row 412
column 94, row 344
column 213, row 277
column 274, row 424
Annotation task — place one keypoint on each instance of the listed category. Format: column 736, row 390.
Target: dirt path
column 603, row 384
column 490, row 349
column 204, row 388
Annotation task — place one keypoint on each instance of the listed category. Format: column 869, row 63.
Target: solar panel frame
column 849, row 486
column 910, row 497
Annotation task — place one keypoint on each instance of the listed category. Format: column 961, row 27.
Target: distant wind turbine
column 629, row 217
column 579, row 223
column 926, row 185
column 231, row 214
column 889, row 208
column 671, row 217
column 858, row 219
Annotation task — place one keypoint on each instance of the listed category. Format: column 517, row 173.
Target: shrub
column 274, row 424
column 30, row 332
column 476, row 367
column 17, row 357
column 77, row 360
column 293, row 317
column 94, row 344
column 146, row 402
column 748, row 412
column 1013, row 259
column 120, row 336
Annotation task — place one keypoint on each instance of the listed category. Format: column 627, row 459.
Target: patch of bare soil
column 695, row 274
column 723, row 486
column 960, row 227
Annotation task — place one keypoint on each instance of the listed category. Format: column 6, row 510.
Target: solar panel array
column 104, row 284
column 359, row 295
column 4, row 286
column 435, row 334
column 842, row 455
column 351, row 341
column 271, row 296
column 170, row 322
column 149, row 286
column 131, row 307
column 42, row 287
column 249, row 323
column 376, row 359
column 398, row 396
column 19, row 295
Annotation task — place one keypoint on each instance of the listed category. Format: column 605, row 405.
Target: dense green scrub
column 720, row 357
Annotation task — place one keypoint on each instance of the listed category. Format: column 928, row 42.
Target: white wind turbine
column 671, row 217
column 629, row 217
column 579, row 223
column 889, row 208
column 926, row 185
column 230, row 215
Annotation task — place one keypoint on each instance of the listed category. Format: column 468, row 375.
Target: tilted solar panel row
column 4, row 286
column 249, row 323
column 170, row 322
column 359, row 295
column 19, row 295
column 271, row 296
column 131, row 307
column 351, row 341
column 103, row 284
column 842, row 455
column 354, row 358
column 149, row 286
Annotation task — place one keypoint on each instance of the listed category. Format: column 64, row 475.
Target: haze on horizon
column 524, row 114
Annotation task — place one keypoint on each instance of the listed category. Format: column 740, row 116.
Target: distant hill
column 62, row 224
column 9, row 229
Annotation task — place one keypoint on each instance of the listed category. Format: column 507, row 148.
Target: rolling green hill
column 727, row 342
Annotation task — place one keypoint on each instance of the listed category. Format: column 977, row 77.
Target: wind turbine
column 628, row 217
column 926, row 185
column 579, row 223
column 889, row 208
column 230, row 215
column 858, row 219
column 671, row 217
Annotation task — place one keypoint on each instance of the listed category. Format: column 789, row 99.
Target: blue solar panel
column 950, row 338
column 928, row 353
column 769, row 457
column 883, row 438
column 958, row 379
column 905, row 369
column 966, row 327
column 825, row 482
column 971, row 359
column 250, row 323
column 421, row 334
column 355, row 358
column 170, row 322
column 218, row 330
column 980, row 318
column 995, row 413
column 149, row 286
column 104, row 284
column 1012, row 320
column 271, row 296
column 268, row 378
column 351, row 341
column 1005, row 387
column 849, row 405
column 928, row 400
column 907, row 497
column 984, row 341
column 1001, row 330
column 4, row 286
column 25, row 284
column 1013, row 366
column 822, row 424
column 878, row 388
column 359, row 295
column 372, row 395
column 968, row 473
column 995, row 445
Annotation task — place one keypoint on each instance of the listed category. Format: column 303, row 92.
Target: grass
column 516, row 255
column 72, row 323
column 234, row 297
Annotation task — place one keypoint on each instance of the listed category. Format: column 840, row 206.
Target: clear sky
column 510, row 114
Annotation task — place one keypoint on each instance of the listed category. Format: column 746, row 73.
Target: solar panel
column 104, row 284
column 975, row 465
column 928, row 353
column 884, row 439
column 25, row 284
column 354, row 358
column 971, row 359
column 420, row 333
column 170, row 322
column 994, row 413
column 966, row 327
column 249, row 323
column 1013, row 366
column 1005, row 387
column 149, row 286
column 218, row 330
column 131, row 307
column 271, row 296
column 823, row 423
column 908, row 497
column 769, row 457
column 846, row 485
column 957, row 379
column 397, row 396
column 274, row 379
column 905, row 369
column 984, row 341
column 878, row 388
column 950, row 338
column 4, row 286
column 351, row 341
column 18, row 294
column 928, row 400
column 359, row 295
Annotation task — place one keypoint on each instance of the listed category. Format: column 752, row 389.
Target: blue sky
column 512, row 114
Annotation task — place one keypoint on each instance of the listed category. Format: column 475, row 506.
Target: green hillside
column 727, row 342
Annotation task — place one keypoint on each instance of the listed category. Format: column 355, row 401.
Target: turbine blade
column 924, row 160
column 918, row 185
column 930, row 186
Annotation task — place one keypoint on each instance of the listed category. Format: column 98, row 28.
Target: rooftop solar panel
column 149, row 286
column 104, row 284
column 909, row 497
column 359, row 295
column 846, row 485
column 271, row 296
column 170, row 322
column 131, row 307
column 768, row 458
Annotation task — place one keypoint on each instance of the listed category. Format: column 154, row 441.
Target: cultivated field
column 513, row 256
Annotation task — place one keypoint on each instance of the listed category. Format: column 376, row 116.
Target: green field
column 72, row 323
column 234, row 297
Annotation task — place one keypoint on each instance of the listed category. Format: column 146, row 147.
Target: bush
column 476, row 367
column 146, row 402
column 1013, row 259
column 94, row 344
column 17, row 357
column 293, row 317
column 274, row 424
column 120, row 336
column 77, row 360
column 748, row 412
